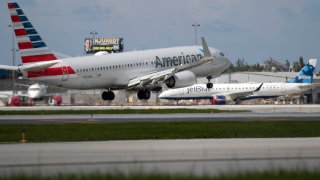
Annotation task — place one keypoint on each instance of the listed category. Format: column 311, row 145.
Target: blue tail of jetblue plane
column 306, row 73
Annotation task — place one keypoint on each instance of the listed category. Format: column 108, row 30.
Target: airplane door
column 65, row 73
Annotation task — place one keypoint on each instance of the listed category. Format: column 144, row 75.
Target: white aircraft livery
column 144, row 71
column 225, row 93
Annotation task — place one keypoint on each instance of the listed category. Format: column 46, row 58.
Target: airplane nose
column 164, row 95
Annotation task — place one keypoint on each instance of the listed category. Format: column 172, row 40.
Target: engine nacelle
column 218, row 100
column 15, row 101
column 181, row 79
column 55, row 100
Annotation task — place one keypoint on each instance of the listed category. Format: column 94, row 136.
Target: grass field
column 159, row 130
column 272, row 175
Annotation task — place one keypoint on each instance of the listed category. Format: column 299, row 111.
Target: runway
column 179, row 117
column 302, row 108
column 259, row 112
column 194, row 156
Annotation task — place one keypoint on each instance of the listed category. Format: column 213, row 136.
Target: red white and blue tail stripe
column 31, row 46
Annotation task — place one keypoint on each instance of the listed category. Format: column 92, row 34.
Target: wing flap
column 150, row 78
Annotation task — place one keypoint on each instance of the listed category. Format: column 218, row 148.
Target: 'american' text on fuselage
column 177, row 60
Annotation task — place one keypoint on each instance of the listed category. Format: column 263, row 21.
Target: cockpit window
column 221, row 54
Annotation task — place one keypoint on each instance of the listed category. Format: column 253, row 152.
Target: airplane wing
column 154, row 77
column 10, row 94
column 5, row 94
column 240, row 94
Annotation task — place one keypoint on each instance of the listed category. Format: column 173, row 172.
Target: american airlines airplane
column 144, row 71
column 225, row 93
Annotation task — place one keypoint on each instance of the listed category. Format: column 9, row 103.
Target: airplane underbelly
column 203, row 70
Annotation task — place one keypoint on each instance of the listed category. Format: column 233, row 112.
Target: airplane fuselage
column 200, row 91
column 115, row 70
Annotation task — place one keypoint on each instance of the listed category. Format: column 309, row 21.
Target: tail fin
column 31, row 46
column 306, row 73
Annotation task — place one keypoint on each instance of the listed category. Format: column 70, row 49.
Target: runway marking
column 160, row 161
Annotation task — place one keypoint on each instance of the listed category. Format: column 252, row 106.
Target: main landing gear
column 144, row 94
column 107, row 95
column 209, row 84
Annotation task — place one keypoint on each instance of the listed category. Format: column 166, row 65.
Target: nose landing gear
column 209, row 84
column 107, row 95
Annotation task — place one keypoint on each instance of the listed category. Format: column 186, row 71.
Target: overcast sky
column 251, row 29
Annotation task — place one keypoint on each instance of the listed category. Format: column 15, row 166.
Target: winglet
column 258, row 89
column 206, row 51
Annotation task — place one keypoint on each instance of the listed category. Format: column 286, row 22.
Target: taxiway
column 258, row 112
column 194, row 156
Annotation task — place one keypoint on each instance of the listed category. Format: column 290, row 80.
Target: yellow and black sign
column 93, row 45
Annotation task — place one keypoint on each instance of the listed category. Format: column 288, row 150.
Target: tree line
column 268, row 65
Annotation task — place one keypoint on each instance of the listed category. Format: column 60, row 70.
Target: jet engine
column 181, row 79
column 218, row 100
column 15, row 101
column 55, row 100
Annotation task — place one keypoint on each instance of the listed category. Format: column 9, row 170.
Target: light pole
column 93, row 33
column 196, row 25
column 13, row 59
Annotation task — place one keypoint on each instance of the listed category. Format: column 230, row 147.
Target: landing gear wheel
column 107, row 95
column 209, row 84
column 143, row 95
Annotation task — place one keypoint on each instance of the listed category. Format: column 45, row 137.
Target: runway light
column 23, row 136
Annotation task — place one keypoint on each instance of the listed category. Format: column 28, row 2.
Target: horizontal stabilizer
column 10, row 68
column 308, row 86
column 39, row 66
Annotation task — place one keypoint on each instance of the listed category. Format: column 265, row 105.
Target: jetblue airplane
column 225, row 93
column 144, row 71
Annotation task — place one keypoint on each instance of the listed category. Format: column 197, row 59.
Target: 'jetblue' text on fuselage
column 197, row 89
